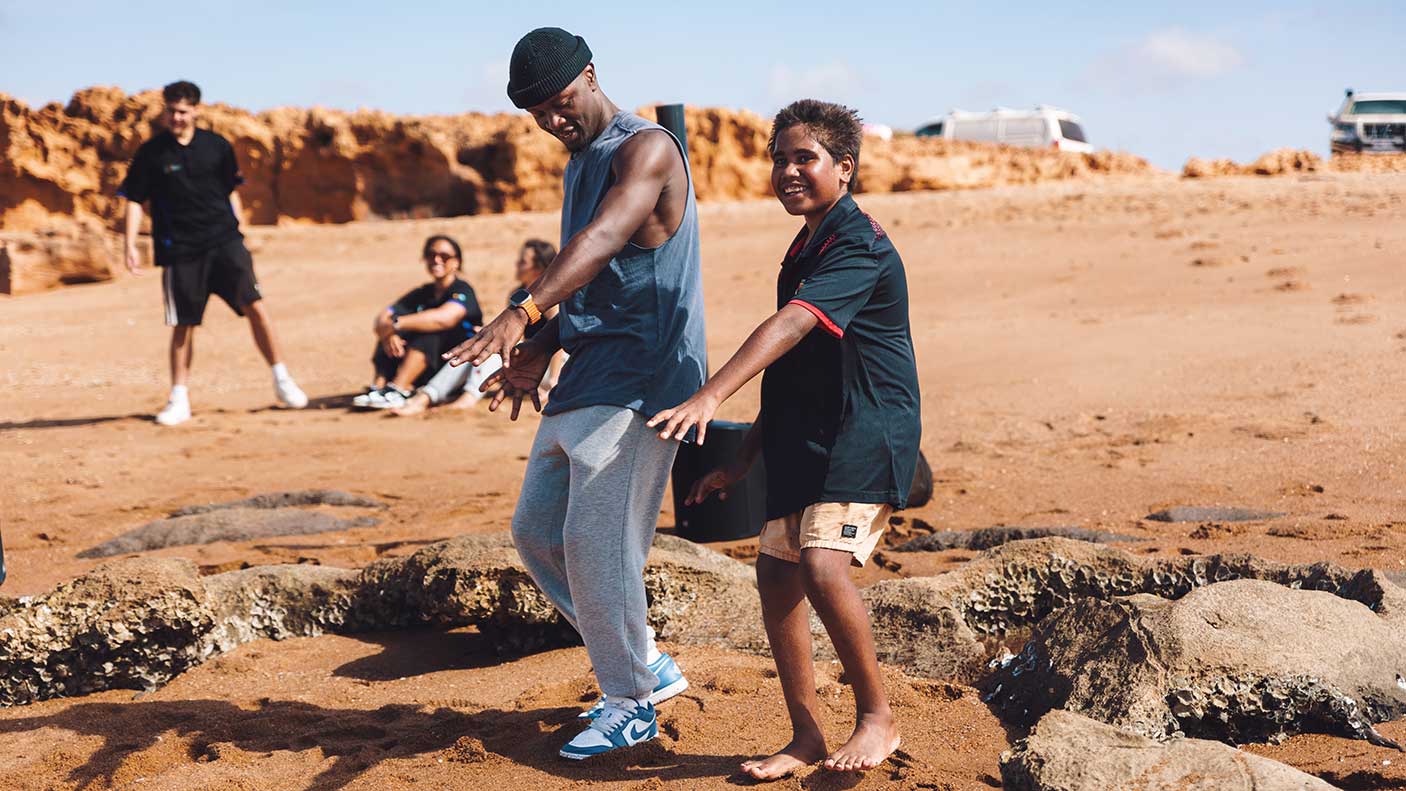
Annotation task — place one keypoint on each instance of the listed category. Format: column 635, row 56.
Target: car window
column 1379, row 107
column 1071, row 131
column 931, row 130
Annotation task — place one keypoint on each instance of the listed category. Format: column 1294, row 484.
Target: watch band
column 530, row 308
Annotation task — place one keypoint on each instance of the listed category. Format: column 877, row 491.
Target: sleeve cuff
column 825, row 322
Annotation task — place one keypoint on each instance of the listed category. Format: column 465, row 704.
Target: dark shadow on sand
column 355, row 739
column 420, row 652
column 339, row 401
column 69, row 422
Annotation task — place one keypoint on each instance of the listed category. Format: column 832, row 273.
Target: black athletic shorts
column 227, row 271
column 431, row 344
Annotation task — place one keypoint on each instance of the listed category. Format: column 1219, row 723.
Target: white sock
column 652, row 654
column 621, row 701
column 180, row 394
column 280, row 372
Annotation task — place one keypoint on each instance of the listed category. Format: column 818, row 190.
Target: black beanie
column 544, row 62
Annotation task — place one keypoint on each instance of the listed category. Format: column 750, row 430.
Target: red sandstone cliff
column 63, row 163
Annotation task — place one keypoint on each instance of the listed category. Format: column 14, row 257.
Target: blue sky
column 1163, row 80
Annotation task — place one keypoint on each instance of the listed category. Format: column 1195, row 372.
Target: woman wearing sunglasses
column 425, row 322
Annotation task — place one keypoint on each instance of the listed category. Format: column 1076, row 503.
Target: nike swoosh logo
column 638, row 732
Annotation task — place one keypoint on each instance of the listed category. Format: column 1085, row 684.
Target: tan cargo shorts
column 849, row 527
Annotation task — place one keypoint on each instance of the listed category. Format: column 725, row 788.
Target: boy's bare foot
column 799, row 754
column 413, row 406
column 874, row 740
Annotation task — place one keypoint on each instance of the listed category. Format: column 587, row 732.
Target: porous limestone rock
column 947, row 626
column 138, row 622
column 1069, row 752
column 291, row 499
column 988, row 537
column 1238, row 661
column 231, row 524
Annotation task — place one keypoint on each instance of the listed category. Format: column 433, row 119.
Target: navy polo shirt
column 840, row 420
column 188, row 187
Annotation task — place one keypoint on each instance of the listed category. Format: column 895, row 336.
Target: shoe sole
column 575, row 757
column 660, row 695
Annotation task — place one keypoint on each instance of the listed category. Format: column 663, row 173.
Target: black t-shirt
column 424, row 298
column 840, row 419
column 188, row 187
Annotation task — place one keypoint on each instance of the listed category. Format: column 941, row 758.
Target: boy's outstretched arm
column 776, row 336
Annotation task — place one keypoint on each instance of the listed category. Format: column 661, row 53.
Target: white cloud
column 1177, row 52
column 834, row 81
column 1163, row 60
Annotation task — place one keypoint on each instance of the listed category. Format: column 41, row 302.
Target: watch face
column 519, row 297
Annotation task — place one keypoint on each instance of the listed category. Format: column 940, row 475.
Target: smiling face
column 572, row 116
column 441, row 261
column 179, row 117
column 805, row 177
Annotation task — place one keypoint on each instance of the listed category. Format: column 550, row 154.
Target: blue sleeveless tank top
column 635, row 333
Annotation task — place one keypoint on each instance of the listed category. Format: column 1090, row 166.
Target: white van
column 1048, row 127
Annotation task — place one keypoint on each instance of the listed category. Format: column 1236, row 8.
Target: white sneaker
column 622, row 723
column 175, row 413
column 289, row 394
column 388, row 397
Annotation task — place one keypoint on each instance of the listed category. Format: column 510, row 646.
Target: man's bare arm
column 773, row 338
column 642, row 170
column 134, row 226
column 237, row 206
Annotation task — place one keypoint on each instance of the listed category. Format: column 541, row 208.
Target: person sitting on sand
column 413, row 332
column 532, row 261
column 839, row 429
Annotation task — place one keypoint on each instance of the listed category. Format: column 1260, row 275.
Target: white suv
column 1041, row 127
column 1370, row 122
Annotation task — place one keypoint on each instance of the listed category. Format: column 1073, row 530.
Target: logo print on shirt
column 849, row 531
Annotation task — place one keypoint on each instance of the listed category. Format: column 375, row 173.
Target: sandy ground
column 1089, row 353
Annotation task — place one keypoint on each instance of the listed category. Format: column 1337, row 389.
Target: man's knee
column 824, row 569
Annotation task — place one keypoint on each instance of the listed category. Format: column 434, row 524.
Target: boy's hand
column 696, row 411
column 719, row 480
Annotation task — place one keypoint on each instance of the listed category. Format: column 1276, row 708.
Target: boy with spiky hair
column 839, row 429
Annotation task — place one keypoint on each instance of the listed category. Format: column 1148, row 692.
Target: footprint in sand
column 1211, row 261
column 1345, row 303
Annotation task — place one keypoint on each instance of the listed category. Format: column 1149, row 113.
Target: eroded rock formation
column 319, row 165
column 138, row 622
column 949, row 625
column 1068, row 752
column 1240, row 661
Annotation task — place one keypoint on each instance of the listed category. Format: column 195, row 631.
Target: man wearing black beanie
column 630, row 290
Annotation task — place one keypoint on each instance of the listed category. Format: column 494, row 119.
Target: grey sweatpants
column 584, row 524
column 450, row 379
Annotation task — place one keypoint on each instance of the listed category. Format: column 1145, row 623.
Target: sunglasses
column 441, row 257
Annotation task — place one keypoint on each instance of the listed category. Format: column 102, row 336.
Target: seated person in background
column 532, row 261
column 421, row 325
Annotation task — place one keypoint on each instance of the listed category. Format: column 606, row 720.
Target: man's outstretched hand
column 530, row 363
column 498, row 337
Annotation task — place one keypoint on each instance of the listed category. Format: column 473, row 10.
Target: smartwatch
column 522, row 299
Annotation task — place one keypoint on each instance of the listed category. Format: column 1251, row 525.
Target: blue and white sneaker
column 671, row 683
column 622, row 722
